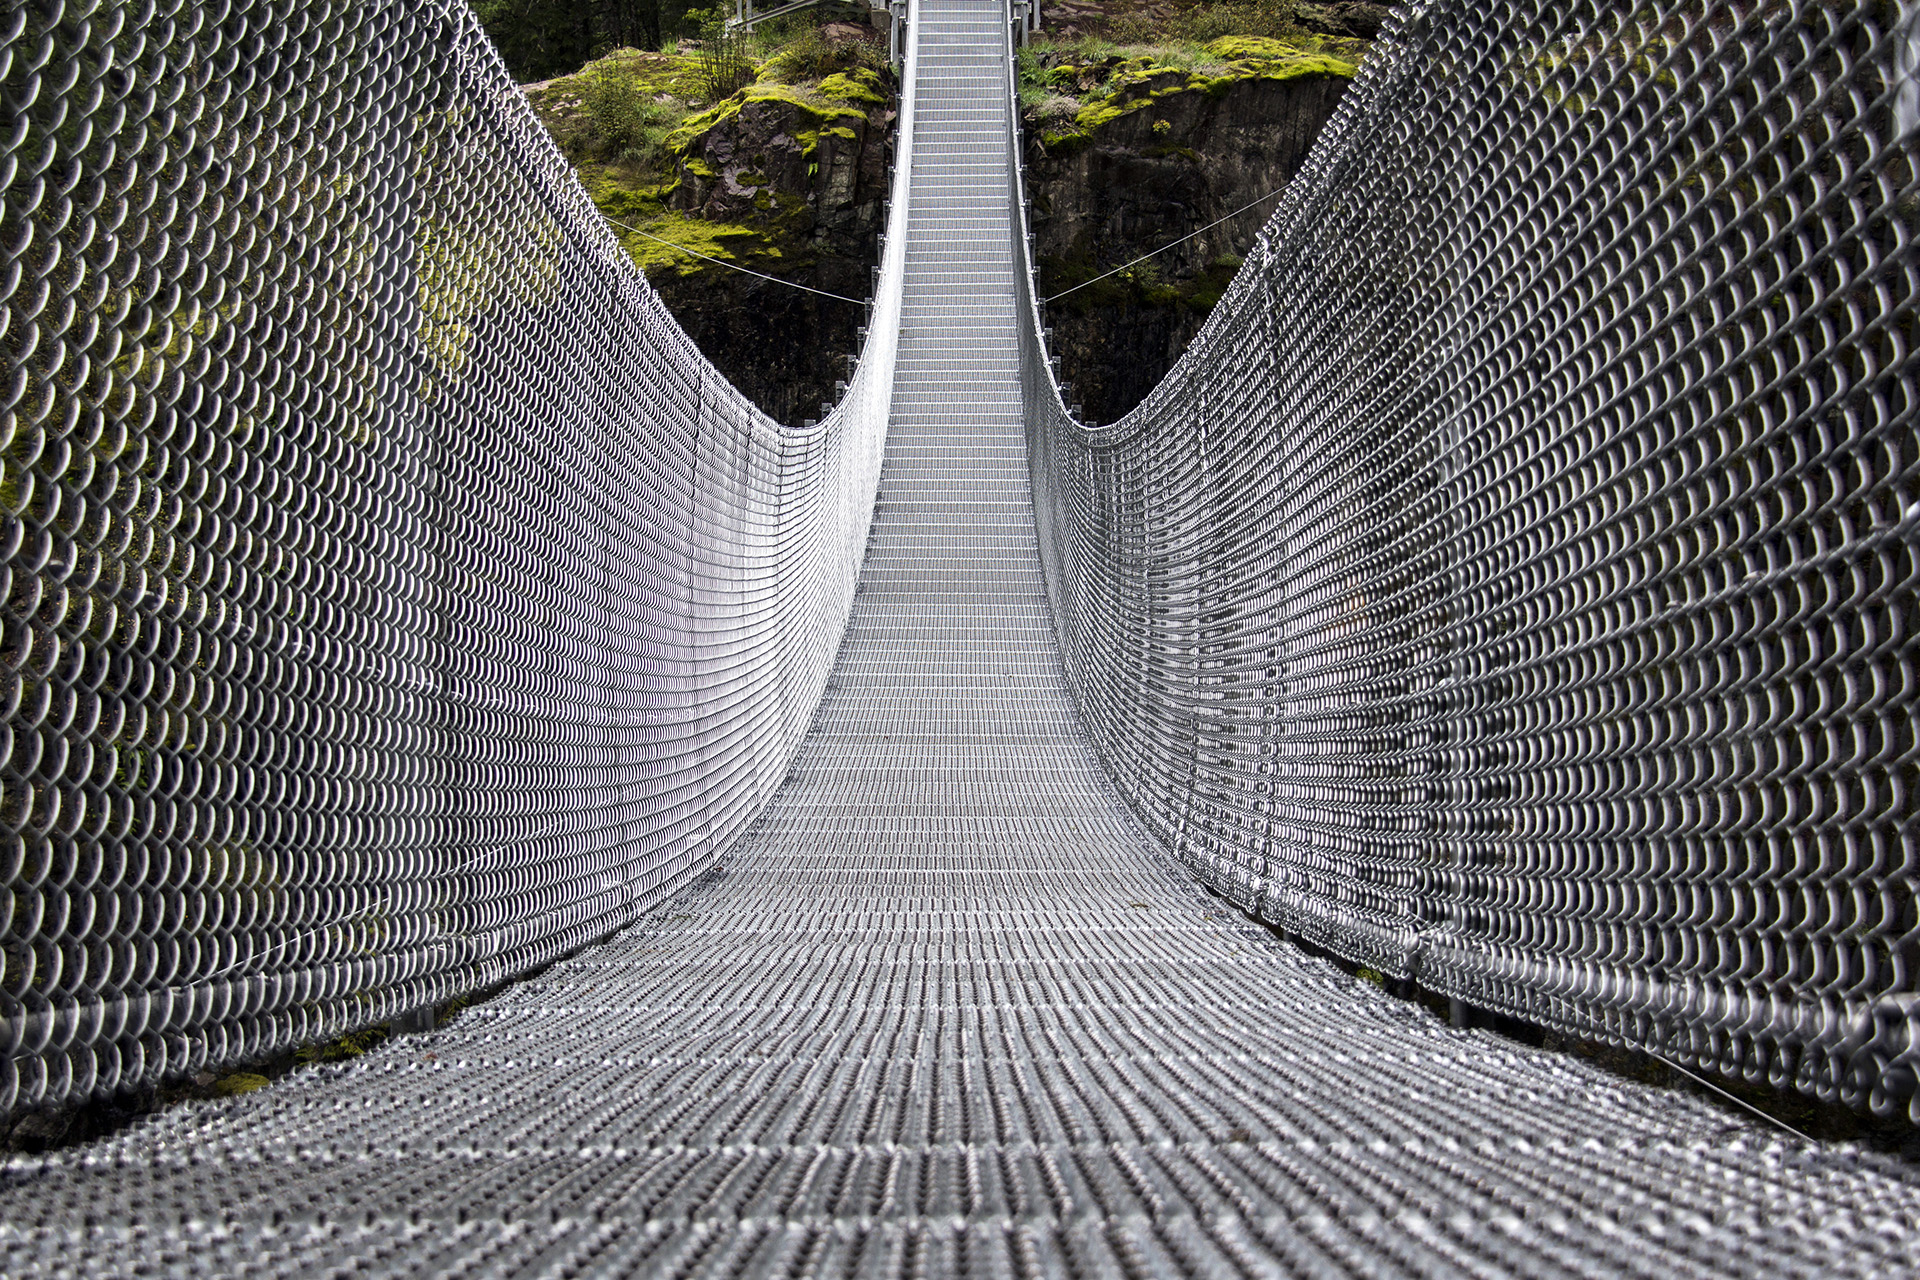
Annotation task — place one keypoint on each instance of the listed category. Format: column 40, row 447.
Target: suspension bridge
column 1511, row 592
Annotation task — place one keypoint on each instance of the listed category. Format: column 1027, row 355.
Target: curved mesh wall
column 1514, row 586
column 395, row 597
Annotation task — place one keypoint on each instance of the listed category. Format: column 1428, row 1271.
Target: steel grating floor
column 945, row 1012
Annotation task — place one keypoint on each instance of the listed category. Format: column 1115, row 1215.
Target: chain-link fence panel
column 1513, row 589
column 395, row 599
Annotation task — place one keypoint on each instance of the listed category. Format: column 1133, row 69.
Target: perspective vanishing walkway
column 945, row 1011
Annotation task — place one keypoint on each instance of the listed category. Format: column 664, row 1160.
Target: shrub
column 810, row 55
column 725, row 67
column 1206, row 22
column 628, row 123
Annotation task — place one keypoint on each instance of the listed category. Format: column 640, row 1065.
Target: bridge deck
column 946, row 1012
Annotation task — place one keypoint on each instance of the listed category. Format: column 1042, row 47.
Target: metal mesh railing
column 949, row 1013
column 1513, row 589
column 395, row 599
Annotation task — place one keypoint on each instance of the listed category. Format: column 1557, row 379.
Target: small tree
column 724, row 67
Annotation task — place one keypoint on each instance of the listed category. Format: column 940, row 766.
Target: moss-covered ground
column 1070, row 89
column 633, row 124
column 1073, row 88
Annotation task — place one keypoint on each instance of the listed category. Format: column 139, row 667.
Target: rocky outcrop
column 785, row 178
column 788, row 178
column 1164, row 152
column 807, row 173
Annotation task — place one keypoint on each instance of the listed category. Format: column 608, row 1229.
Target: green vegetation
column 632, row 117
column 656, row 251
column 1135, row 22
column 344, row 1048
column 803, row 53
column 1149, row 76
column 620, row 109
column 541, row 39
column 238, row 1083
column 1070, row 89
column 723, row 62
column 636, row 125
column 1199, row 23
column 815, row 111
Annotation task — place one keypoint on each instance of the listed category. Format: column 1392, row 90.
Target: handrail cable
column 1163, row 248
column 859, row 302
column 1699, row 1079
column 718, row 262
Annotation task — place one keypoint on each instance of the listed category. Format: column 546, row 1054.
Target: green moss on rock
column 817, row 110
column 778, row 177
column 658, row 244
column 625, row 100
column 238, row 1083
column 1252, row 48
column 1116, row 87
column 861, row 87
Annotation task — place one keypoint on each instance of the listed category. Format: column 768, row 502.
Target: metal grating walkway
column 946, row 1012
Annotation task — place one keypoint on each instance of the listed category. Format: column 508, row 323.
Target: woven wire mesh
column 396, row 599
column 947, row 1012
column 1514, row 586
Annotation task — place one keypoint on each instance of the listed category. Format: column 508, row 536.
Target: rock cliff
column 1126, row 155
column 1129, row 148
column 785, row 177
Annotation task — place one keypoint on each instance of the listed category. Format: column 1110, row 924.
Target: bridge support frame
column 896, row 32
